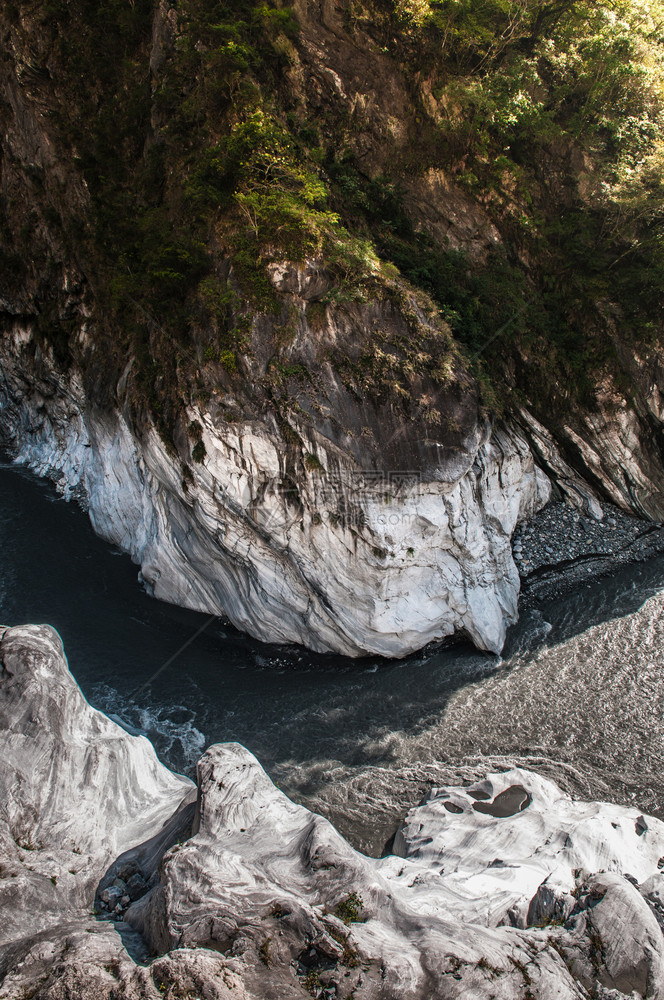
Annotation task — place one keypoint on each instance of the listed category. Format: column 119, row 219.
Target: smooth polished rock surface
column 501, row 890
column 526, row 866
column 483, row 902
column 61, row 757
column 76, row 789
column 359, row 562
column 626, row 944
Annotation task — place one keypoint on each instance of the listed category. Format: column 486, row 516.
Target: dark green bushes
column 547, row 114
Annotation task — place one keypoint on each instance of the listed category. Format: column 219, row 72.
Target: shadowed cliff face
column 369, row 360
column 380, row 379
column 297, row 544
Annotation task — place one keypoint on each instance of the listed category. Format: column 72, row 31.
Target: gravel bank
column 561, row 546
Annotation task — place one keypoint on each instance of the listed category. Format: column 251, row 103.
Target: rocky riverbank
column 561, row 545
column 120, row 879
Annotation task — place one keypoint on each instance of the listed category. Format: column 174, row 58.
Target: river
column 578, row 693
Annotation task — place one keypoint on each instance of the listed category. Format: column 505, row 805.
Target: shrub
column 228, row 361
column 350, row 908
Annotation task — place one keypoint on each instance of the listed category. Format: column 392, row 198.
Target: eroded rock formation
column 503, row 889
column 342, row 559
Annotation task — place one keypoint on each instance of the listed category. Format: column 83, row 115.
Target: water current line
column 175, row 655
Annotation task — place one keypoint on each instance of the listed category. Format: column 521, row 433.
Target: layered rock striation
column 334, row 556
column 250, row 397
column 502, row 889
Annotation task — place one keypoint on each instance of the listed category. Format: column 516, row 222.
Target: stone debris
column 561, row 545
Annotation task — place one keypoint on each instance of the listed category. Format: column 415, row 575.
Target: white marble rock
column 434, row 561
column 516, row 892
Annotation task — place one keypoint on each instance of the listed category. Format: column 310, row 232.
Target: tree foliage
column 548, row 114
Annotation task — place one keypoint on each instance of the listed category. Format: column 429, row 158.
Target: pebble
column 111, row 895
column 559, row 533
column 115, row 898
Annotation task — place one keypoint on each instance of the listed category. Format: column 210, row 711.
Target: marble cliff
column 214, row 340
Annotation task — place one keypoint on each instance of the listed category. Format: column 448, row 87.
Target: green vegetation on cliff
column 215, row 138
